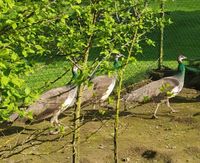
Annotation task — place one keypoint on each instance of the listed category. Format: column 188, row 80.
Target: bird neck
column 116, row 64
column 181, row 69
column 74, row 75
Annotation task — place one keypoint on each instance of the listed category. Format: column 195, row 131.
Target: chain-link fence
column 180, row 37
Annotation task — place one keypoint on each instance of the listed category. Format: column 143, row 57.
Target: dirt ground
column 172, row 138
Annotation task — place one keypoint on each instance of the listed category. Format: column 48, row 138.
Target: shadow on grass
column 34, row 139
column 95, row 115
column 180, row 99
column 107, row 113
column 13, row 130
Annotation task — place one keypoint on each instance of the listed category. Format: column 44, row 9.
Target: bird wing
column 49, row 102
column 103, row 86
column 55, row 92
column 99, row 86
column 156, row 89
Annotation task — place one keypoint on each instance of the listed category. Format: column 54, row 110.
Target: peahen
column 102, row 86
column 160, row 91
column 52, row 102
column 55, row 101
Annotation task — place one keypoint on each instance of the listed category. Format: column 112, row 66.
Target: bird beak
column 185, row 57
column 122, row 55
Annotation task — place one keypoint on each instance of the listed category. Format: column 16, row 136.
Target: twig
column 54, row 81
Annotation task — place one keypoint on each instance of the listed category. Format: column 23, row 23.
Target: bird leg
column 168, row 105
column 106, row 105
column 93, row 106
column 154, row 114
column 125, row 106
column 55, row 122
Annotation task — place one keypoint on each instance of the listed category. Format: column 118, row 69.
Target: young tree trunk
column 116, row 124
column 119, row 87
column 76, row 133
column 161, row 48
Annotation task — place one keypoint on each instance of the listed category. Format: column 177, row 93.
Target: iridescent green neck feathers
column 117, row 65
column 181, row 68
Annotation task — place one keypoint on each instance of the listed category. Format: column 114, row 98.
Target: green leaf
column 29, row 115
column 17, row 81
column 9, row 21
column 24, row 53
column 29, row 50
column 115, row 51
column 38, row 47
column 27, row 90
column 2, row 65
column 5, row 80
column 14, row 25
column 31, row 20
column 10, row 3
column 14, row 56
column 1, row 3
column 78, row 1
column 150, row 42
column 132, row 60
column 22, row 38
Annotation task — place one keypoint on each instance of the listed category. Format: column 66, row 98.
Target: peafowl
column 102, row 86
column 160, row 91
column 55, row 101
column 52, row 102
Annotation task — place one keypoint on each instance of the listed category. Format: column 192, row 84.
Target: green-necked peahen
column 101, row 89
column 102, row 86
column 161, row 90
column 55, row 101
column 52, row 102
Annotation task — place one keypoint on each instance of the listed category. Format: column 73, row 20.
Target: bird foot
column 58, row 129
column 54, row 132
column 154, row 116
column 125, row 109
column 174, row 111
column 109, row 107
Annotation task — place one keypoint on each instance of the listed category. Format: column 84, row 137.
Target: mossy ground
column 172, row 138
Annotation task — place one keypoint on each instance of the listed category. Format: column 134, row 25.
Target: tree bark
column 161, row 48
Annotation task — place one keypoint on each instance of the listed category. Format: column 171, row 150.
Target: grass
column 181, row 37
column 178, row 5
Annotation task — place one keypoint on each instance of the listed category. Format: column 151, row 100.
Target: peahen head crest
column 181, row 58
column 116, row 63
column 75, row 71
column 181, row 66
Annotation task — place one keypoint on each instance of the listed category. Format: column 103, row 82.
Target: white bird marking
column 70, row 98
column 68, row 102
column 175, row 91
column 109, row 90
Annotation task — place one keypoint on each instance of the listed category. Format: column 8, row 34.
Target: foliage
column 16, row 42
column 27, row 32
column 74, row 29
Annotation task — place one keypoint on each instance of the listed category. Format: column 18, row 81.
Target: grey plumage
column 152, row 90
column 100, row 89
column 102, row 86
column 51, row 103
column 55, row 101
column 161, row 90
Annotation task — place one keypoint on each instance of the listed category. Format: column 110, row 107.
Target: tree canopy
column 51, row 28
